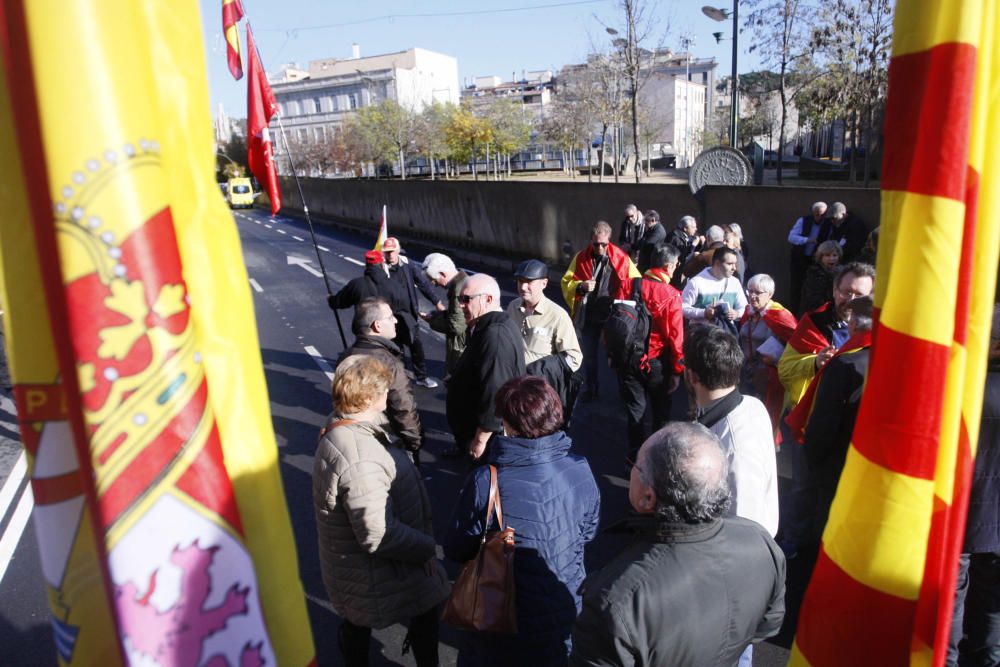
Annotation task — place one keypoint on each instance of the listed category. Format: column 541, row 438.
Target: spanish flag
column 160, row 513
column 383, row 230
column 882, row 589
column 232, row 12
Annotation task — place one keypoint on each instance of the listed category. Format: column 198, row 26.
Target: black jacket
column 852, row 231
column 982, row 532
column 494, row 353
column 653, row 236
column 407, row 280
column 828, row 432
column 685, row 245
column 817, row 288
column 373, row 282
column 629, row 236
column 683, row 595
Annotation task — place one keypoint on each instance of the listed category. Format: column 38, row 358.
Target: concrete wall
column 537, row 219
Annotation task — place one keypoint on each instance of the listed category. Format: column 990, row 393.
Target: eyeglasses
column 850, row 294
column 465, row 299
column 599, row 244
column 753, row 292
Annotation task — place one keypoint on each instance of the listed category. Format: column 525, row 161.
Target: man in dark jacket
column 694, row 588
column 977, row 591
column 844, row 228
column 654, row 236
column 685, row 238
column 373, row 282
column 408, row 280
column 831, row 423
column 493, row 354
column 441, row 271
column 374, row 327
column 631, row 231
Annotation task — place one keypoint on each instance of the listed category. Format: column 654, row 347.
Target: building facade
column 313, row 102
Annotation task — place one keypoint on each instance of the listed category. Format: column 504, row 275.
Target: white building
column 315, row 101
column 679, row 121
column 533, row 93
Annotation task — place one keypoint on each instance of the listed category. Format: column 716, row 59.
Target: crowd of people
column 704, row 577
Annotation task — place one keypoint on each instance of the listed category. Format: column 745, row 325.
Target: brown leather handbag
column 483, row 595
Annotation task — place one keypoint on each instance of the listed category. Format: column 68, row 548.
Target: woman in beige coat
column 373, row 516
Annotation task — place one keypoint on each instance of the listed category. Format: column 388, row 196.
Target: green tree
column 429, row 132
column 467, row 137
column 511, row 130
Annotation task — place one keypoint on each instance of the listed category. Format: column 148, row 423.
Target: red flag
column 261, row 107
column 232, row 12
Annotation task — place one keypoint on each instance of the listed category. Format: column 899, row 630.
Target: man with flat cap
column 373, row 282
column 551, row 348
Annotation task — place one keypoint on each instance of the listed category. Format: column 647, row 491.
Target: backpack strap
column 637, row 291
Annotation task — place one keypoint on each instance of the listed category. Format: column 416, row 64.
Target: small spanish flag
column 232, row 12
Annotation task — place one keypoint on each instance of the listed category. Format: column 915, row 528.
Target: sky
column 497, row 37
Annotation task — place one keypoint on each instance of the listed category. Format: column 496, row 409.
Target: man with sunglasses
column 493, row 354
column 598, row 274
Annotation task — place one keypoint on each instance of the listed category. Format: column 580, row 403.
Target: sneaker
column 428, row 382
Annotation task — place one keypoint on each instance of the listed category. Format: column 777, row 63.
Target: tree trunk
column 784, row 119
column 402, row 165
column 430, row 160
column 590, row 163
column 616, row 164
column 601, row 153
column 635, row 129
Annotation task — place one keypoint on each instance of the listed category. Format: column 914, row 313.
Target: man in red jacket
column 648, row 387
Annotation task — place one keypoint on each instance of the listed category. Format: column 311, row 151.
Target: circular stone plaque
column 720, row 165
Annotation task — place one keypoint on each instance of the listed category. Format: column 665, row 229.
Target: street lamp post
column 686, row 42
column 717, row 14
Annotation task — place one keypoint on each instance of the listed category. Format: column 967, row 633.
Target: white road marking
column 323, row 249
column 256, row 285
column 268, row 226
column 12, row 484
column 297, row 238
column 304, row 263
column 15, row 528
column 258, row 222
column 282, row 231
column 323, row 364
column 352, row 260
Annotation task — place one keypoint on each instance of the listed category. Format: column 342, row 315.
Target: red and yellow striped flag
column 159, row 509
column 882, row 590
column 232, row 12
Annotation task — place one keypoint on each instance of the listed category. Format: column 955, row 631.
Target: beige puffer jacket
column 373, row 517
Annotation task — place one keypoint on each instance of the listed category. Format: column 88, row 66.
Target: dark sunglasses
column 467, row 298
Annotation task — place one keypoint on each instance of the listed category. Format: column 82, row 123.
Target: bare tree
column 782, row 29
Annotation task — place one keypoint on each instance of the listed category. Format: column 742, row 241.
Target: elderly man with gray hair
column 494, row 353
column 803, row 239
column 844, row 228
column 696, row 587
column 441, row 271
column 685, row 237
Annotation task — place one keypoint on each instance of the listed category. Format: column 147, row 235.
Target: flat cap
column 532, row 269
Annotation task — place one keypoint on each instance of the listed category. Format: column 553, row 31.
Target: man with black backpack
column 644, row 336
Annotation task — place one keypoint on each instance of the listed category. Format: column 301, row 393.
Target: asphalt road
column 299, row 342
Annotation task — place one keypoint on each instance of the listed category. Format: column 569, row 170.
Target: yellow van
column 240, row 193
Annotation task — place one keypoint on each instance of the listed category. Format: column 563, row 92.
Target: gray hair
column 837, row 209
column 436, row 264
column 761, row 282
column 682, row 223
column 631, row 208
column 365, row 315
column 601, row 228
column 714, row 234
column 481, row 283
column 687, row 468
column 819, row 207
column 735, row 227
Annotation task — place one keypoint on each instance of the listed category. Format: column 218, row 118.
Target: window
column 303, row 135
column 316, row 105
column 352, row 100
column 320, row 133
column 333, row 103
